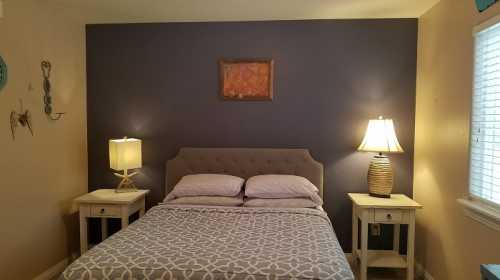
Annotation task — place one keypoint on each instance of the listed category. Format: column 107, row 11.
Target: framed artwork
column 246, row 79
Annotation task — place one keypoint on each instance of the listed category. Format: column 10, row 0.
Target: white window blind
column 485, row 123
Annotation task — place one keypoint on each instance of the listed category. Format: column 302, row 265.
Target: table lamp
column 125, row 154
column 380, row 137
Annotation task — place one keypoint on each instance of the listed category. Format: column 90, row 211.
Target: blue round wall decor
column 484, row 4
column 3, row 73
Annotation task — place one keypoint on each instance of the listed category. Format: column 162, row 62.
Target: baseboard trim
column 419, row 268
column 421, row 272
column 55, row 270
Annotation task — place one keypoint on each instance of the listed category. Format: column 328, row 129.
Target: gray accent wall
column 159, row 82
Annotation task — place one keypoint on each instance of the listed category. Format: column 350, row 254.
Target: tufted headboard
column 243, row 162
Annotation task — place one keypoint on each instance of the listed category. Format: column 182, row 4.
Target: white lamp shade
column 380, row 137
column 125, row 154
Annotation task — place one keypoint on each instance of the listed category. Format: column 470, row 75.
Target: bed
column 210, row 242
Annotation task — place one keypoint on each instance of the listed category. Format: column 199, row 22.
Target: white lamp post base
column 126, row 184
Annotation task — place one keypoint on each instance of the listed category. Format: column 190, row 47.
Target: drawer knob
column 389, row 216
column 102, row 210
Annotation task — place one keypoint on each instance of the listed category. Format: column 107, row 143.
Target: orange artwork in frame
column 246, row 79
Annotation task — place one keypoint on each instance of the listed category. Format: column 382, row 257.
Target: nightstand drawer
column 105, row 210
column 388, row 216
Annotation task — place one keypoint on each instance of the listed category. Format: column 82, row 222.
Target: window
column 485, row 122
column 484, row 202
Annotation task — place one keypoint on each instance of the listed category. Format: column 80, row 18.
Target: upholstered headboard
column 244, row 163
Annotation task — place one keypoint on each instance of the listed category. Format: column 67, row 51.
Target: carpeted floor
column 384, row 273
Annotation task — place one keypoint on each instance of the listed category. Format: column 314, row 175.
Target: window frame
column 480, row 209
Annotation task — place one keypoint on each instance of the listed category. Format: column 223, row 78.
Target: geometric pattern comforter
column 194, row 242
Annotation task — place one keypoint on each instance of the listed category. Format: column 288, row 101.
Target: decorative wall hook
column 23, row 118
column 47, row 98
column 3, row 73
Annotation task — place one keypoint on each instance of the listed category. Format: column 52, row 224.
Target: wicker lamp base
column 380, row 177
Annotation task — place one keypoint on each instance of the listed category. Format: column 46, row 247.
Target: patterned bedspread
column 183, row 242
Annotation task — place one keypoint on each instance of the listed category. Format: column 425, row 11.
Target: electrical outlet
column 375, row 229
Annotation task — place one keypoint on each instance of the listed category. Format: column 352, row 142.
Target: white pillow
column 207, row 185
column 281, row 186
column 278, row 186
column 281, row 202
column 209, row 200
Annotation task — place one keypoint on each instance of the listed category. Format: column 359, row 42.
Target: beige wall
column 40, row 175
column 449, row 244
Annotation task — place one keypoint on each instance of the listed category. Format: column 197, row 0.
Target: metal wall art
column 47, row 98
column 3, row 73
column 22, row 118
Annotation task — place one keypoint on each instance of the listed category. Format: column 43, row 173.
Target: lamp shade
column 380, row 137
column 125, row 154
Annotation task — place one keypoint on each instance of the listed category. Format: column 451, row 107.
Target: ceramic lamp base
column 380, row 177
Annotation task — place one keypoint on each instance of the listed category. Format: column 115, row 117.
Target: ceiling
column 122, row 11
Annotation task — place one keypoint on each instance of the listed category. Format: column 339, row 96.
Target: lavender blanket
column 188, row 242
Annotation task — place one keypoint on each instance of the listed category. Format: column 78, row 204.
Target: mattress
column 189, row 242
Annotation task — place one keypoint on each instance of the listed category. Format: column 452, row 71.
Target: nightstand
column 397, row 210
column 106, row 203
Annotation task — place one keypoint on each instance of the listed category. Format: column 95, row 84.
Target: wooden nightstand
column 106, row 203
column 397, row 210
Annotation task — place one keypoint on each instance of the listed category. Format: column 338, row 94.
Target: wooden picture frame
column 246, row 79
